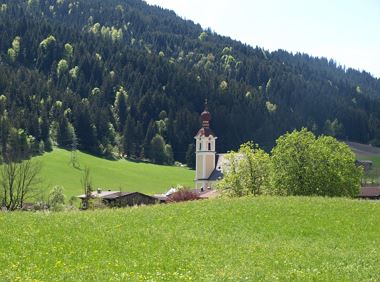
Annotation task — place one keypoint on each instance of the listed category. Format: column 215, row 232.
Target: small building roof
column 111, row 195
column 117, row 195
column 205, row 131
column 369, row 192
column 99, row 193
column 364, row 161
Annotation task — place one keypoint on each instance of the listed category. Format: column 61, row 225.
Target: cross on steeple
column 206, row 104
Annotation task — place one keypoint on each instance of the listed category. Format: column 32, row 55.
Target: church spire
column 206, row 116
column 205, row 142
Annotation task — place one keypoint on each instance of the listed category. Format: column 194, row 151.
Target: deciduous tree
column 19, row 181
column 306, row 165
column 248, row 171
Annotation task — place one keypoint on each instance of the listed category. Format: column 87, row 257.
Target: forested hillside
column 120, row 76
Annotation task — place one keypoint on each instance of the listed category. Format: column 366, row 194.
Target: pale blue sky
column 346, row 30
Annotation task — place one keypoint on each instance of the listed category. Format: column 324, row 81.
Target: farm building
column 121, row 199
column 370, row 192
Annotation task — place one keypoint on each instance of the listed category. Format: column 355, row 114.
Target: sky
column 347, row 31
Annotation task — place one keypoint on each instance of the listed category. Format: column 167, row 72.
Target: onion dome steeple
column 205, row 118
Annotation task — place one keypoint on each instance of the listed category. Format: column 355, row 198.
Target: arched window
column 209, row 146
column 200, row 146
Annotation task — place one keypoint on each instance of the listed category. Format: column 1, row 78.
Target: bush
column 182, row 195
column 56, row 199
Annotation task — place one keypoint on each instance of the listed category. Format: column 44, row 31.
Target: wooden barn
column 121, row 199
column 370, row 193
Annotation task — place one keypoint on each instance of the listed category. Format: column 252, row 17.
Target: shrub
column 56, row 199
column 182, row 195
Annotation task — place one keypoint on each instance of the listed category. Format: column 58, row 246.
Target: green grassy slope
column 122, row 174
column 249, row 239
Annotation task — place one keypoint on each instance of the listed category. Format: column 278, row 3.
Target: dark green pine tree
column 45, row 133
column 64, row 133
column 157, row 147
column 85, row 130
column 150, row 133
column 190, row 156
column 129, row 137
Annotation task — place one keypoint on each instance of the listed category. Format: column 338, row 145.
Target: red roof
column 205, row 131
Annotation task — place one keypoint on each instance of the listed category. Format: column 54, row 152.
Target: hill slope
column 115, row 73
column 107, row 174
column 216, row 240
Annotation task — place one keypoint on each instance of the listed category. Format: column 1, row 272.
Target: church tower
column 205, row 152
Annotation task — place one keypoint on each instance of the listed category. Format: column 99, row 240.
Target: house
column 121, row 199
column 370, row 192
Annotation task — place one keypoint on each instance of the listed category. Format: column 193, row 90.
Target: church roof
column 217, row 173
column 205, row 131
column 222, row 166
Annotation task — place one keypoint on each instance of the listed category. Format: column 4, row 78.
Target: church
column 209, row 164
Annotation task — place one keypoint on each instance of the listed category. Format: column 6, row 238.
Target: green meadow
column 246, row 239
column 109, row 174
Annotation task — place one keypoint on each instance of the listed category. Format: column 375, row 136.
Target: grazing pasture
column 121, row 174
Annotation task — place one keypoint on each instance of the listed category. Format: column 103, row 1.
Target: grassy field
column 121, row 174
column 249, row 239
